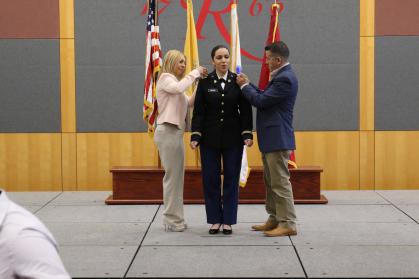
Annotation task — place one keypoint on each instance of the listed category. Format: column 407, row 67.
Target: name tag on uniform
column 212, row 90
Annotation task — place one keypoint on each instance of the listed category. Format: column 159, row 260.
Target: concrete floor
column 358, row 234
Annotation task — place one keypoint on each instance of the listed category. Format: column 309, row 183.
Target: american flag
column 153, row 62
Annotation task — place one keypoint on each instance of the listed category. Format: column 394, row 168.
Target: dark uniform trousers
column 222, row 120
column 221, row 208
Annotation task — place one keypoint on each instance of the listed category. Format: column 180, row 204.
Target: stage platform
column 357, row 234
column 143, row 185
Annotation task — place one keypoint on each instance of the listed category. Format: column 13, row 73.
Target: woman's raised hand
column 203, row 71
column 193, row 144
column 248, row 142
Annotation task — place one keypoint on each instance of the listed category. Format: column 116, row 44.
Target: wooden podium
column 143, row 185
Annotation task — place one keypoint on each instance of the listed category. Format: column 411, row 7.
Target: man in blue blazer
column 275, row 137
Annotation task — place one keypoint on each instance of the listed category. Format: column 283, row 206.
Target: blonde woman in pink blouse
column 173, row 105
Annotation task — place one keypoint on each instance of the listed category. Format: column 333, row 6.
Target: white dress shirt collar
column 274, row 72
column 224, row 76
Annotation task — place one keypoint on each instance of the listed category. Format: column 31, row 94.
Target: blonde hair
column 170, row 61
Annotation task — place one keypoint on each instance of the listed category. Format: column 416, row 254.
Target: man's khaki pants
column 279, row 198
column 169, row 140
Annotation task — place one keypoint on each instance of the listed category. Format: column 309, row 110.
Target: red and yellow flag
column 273, row 36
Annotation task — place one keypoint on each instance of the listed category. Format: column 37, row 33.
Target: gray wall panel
column 322, row 31
column 111, row 33
column 397, row 83
column 29, row 86
column 317, row 31
column 327, row 98
column 110, row 65
column 112, row 99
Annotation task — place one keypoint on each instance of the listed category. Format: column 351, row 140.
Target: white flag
column 236, row 66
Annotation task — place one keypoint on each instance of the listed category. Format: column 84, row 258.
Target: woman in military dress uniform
column 221, row 125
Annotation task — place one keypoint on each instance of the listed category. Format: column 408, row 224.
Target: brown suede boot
column 281, row 232
column 267, row 226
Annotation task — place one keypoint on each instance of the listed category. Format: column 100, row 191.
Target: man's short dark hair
column 279, row 48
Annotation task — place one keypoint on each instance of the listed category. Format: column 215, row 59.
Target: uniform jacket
column 275, row 107
column 222, row 118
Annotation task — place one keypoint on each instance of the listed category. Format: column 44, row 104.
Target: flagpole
column 155, row 20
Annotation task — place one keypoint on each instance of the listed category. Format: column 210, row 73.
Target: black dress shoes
column 214, row 230
column 227, row 231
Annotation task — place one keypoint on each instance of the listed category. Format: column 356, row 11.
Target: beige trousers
column 169, row 140
column 279, row 197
